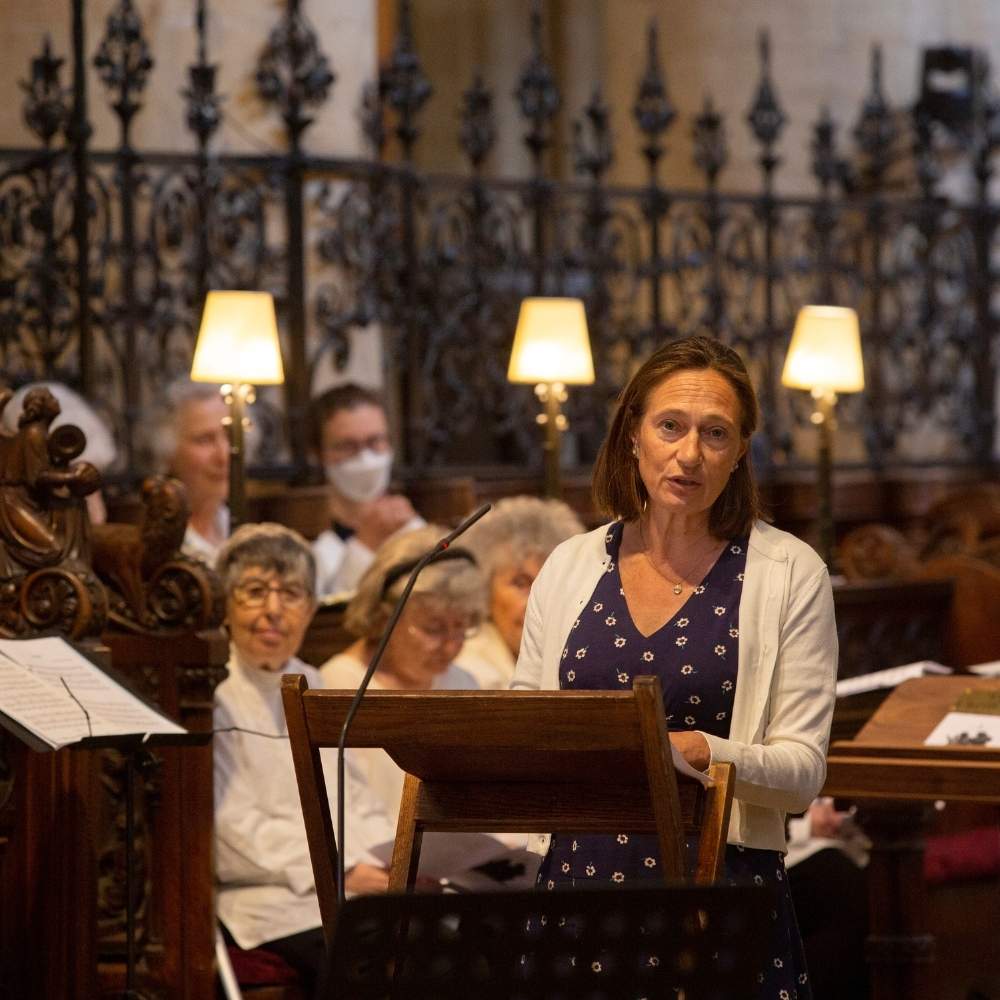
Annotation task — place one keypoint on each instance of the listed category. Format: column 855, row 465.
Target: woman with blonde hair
column 510, row 546
column 444, row 609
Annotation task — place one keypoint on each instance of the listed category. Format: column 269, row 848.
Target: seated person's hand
column 366, row 879
column 825, row 821
column 382, row 517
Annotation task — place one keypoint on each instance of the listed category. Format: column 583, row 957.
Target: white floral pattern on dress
column 698, row 685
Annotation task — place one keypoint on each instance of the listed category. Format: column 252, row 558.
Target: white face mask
column 362, row 477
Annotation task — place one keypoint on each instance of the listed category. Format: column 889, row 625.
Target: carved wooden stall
column 128, row 596
column 956, row 547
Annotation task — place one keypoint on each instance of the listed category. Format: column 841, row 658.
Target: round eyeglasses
column 255, row 594
column 437, row 633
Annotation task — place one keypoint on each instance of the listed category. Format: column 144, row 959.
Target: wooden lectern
column 510, row 761
column 887, row 762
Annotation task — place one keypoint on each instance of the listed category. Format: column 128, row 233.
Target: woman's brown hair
column 618, row 489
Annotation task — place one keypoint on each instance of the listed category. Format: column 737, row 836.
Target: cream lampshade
column 551, row 343
column 825, row 352
column 238, row 340
column 825, row 358
column 238, row 347
column 552, row 350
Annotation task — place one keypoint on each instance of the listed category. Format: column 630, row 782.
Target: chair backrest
column 326, row 634
column 514, row 761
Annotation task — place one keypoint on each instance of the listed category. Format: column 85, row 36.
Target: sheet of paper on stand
column 448, row 855
column 991, row 669
column 966, row 729
column 890, row 678
column 60, row 696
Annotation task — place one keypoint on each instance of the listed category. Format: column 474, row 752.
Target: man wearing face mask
column 351, row 440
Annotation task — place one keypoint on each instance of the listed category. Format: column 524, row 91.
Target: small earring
column 735, row 467
column 635, row 450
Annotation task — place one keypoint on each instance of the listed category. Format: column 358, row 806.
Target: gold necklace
column 676, row 585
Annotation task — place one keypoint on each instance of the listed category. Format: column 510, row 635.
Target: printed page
column 50, row 714
column 445, row 855
column 113, row 710
column 966, row 729
column 890, row 678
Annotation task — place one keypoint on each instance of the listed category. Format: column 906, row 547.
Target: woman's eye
column 669, row 425
column 717, row 433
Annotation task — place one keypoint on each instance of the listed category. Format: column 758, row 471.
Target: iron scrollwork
column 105, row 256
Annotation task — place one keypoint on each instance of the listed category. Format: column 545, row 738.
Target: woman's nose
column 689, row 452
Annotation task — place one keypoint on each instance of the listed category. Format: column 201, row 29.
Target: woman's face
column 509, row 598
column 426, row 641
column 688, row 441
column 267, row 616
column 201, row 460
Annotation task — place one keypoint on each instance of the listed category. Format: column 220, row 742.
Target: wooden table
column 897, row 778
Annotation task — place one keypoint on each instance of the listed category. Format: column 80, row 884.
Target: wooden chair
column 511, row 761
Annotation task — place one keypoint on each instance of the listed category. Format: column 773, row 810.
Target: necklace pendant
column 678, row 588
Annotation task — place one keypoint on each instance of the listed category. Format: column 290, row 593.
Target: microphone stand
column 370, row 672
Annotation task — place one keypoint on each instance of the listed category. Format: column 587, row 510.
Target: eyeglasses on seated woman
column 266, row 895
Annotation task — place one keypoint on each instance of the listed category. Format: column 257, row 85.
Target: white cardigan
column 784, row 695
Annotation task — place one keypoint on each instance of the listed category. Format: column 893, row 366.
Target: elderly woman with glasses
column 266, row 895
column 445, row 607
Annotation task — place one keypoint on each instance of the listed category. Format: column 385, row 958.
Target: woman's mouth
column 684, row 482
column 270, row 635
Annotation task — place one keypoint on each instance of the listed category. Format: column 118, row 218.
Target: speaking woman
column 687, row 583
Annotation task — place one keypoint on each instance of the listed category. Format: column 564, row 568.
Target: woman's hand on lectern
column 694, row 748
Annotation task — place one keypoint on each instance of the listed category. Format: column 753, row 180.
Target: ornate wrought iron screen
column 105, row 256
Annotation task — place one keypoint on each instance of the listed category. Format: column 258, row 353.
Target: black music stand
column 135, row 749
column 544, row 945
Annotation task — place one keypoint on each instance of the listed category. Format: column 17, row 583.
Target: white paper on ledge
column 969, row 724
column 446, row 855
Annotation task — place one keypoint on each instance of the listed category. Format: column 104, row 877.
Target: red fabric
column 970, row 854
column 260, row 967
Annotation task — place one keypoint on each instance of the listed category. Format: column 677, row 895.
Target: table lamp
column 551, row 350
column 825, row 358
column 238, row 347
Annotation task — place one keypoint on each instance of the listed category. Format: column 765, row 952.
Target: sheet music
column 56, row 666
column 990, row 669
column 966, row 729
column 445, row 855
column 890, row 678
column 51, row 715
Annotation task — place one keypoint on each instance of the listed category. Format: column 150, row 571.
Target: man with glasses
column 351, row 441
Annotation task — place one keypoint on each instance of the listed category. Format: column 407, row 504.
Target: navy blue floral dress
column 695, row 656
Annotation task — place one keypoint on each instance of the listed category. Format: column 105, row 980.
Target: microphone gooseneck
column 428, row 557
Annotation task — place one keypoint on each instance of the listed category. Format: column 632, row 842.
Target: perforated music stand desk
column 547, row 945
column 510, row 761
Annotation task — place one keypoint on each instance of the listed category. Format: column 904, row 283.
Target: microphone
column 426, row 558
